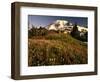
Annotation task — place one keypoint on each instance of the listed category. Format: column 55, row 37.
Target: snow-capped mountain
column 59, row 25
column 81, row 27
column 63, row 25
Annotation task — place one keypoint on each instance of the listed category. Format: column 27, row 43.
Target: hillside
column 56, row 49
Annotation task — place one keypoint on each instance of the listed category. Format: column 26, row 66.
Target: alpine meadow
column 57, row 40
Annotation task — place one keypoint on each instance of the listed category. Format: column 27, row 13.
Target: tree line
column 41, row 31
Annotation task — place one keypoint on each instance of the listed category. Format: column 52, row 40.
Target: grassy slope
column 56, row 49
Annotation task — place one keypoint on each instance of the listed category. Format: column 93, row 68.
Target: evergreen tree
column 75, row 30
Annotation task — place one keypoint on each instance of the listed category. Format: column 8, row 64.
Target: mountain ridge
column 62, row 25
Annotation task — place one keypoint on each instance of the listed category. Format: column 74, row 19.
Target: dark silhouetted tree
column 74, row 32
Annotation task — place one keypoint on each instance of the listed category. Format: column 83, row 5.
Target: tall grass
column 56, row 49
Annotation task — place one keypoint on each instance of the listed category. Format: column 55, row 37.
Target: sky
column 39, row 20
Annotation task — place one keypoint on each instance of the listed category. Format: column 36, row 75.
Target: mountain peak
column 59, row 25
column 59, row 21
column 63, row 25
